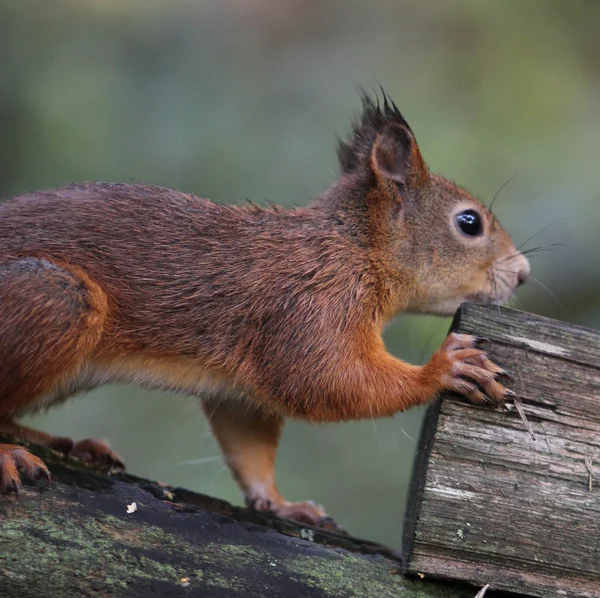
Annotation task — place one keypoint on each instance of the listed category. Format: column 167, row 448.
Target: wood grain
column 495, row 502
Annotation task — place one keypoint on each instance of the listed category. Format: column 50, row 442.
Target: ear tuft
column 381, row 142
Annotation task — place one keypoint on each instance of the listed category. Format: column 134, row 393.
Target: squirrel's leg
column 379, row 385
column 248, row 438
column 51, row 318
column 458, row 366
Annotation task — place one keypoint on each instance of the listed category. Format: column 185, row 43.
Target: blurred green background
column 243, row 99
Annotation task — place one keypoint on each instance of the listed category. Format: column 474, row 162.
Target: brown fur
column 281, row 309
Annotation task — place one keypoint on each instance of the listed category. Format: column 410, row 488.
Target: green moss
column 57, row 545
column 347, row 576
column 93, row 549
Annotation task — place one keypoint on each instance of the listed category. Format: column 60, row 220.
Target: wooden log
column 76, row 538
column 512, row 497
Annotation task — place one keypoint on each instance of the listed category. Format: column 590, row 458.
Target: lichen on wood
column 75, row 538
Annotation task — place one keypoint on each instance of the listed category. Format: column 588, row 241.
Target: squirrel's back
column 200, row 273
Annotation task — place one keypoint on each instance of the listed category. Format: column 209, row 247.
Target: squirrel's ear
column 395, row 155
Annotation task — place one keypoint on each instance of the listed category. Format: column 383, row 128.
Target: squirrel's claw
column 330, row 525
column 93, row 451
column 97, row 453
column 307, row 512
column 466, row 370
column 15, row 458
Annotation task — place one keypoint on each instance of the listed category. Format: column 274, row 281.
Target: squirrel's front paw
column 459, row 366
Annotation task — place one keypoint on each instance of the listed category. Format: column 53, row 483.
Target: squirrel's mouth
column 498, row 289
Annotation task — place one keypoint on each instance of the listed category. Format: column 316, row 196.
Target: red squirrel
column 263, row 313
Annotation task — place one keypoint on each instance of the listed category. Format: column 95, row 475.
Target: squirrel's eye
column 470, row 223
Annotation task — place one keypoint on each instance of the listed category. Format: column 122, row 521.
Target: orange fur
column 265, row 312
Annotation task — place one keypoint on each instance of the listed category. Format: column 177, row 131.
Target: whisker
column 487, row 279
column 529, row 278
column 548, row 247
column 540, row 249
column 219, row 471
column 510, row 257
column 510, row 179
column 495, row 287
column 507, row 284
column 542, row 230
column 201, row 461
column 405, row 434
column 548, row 291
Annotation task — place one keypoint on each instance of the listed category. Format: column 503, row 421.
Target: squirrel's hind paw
column 307, row 512
column 310, row 513
column 15, row 458
column 92, row 451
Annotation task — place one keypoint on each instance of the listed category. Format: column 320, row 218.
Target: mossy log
column 76, row 538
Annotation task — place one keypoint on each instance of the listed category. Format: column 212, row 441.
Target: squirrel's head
column 441, row 244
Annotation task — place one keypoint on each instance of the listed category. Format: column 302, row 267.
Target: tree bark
column 76, row 538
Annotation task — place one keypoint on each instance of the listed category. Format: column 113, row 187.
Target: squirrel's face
column 462, row 251
column 442, row 244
